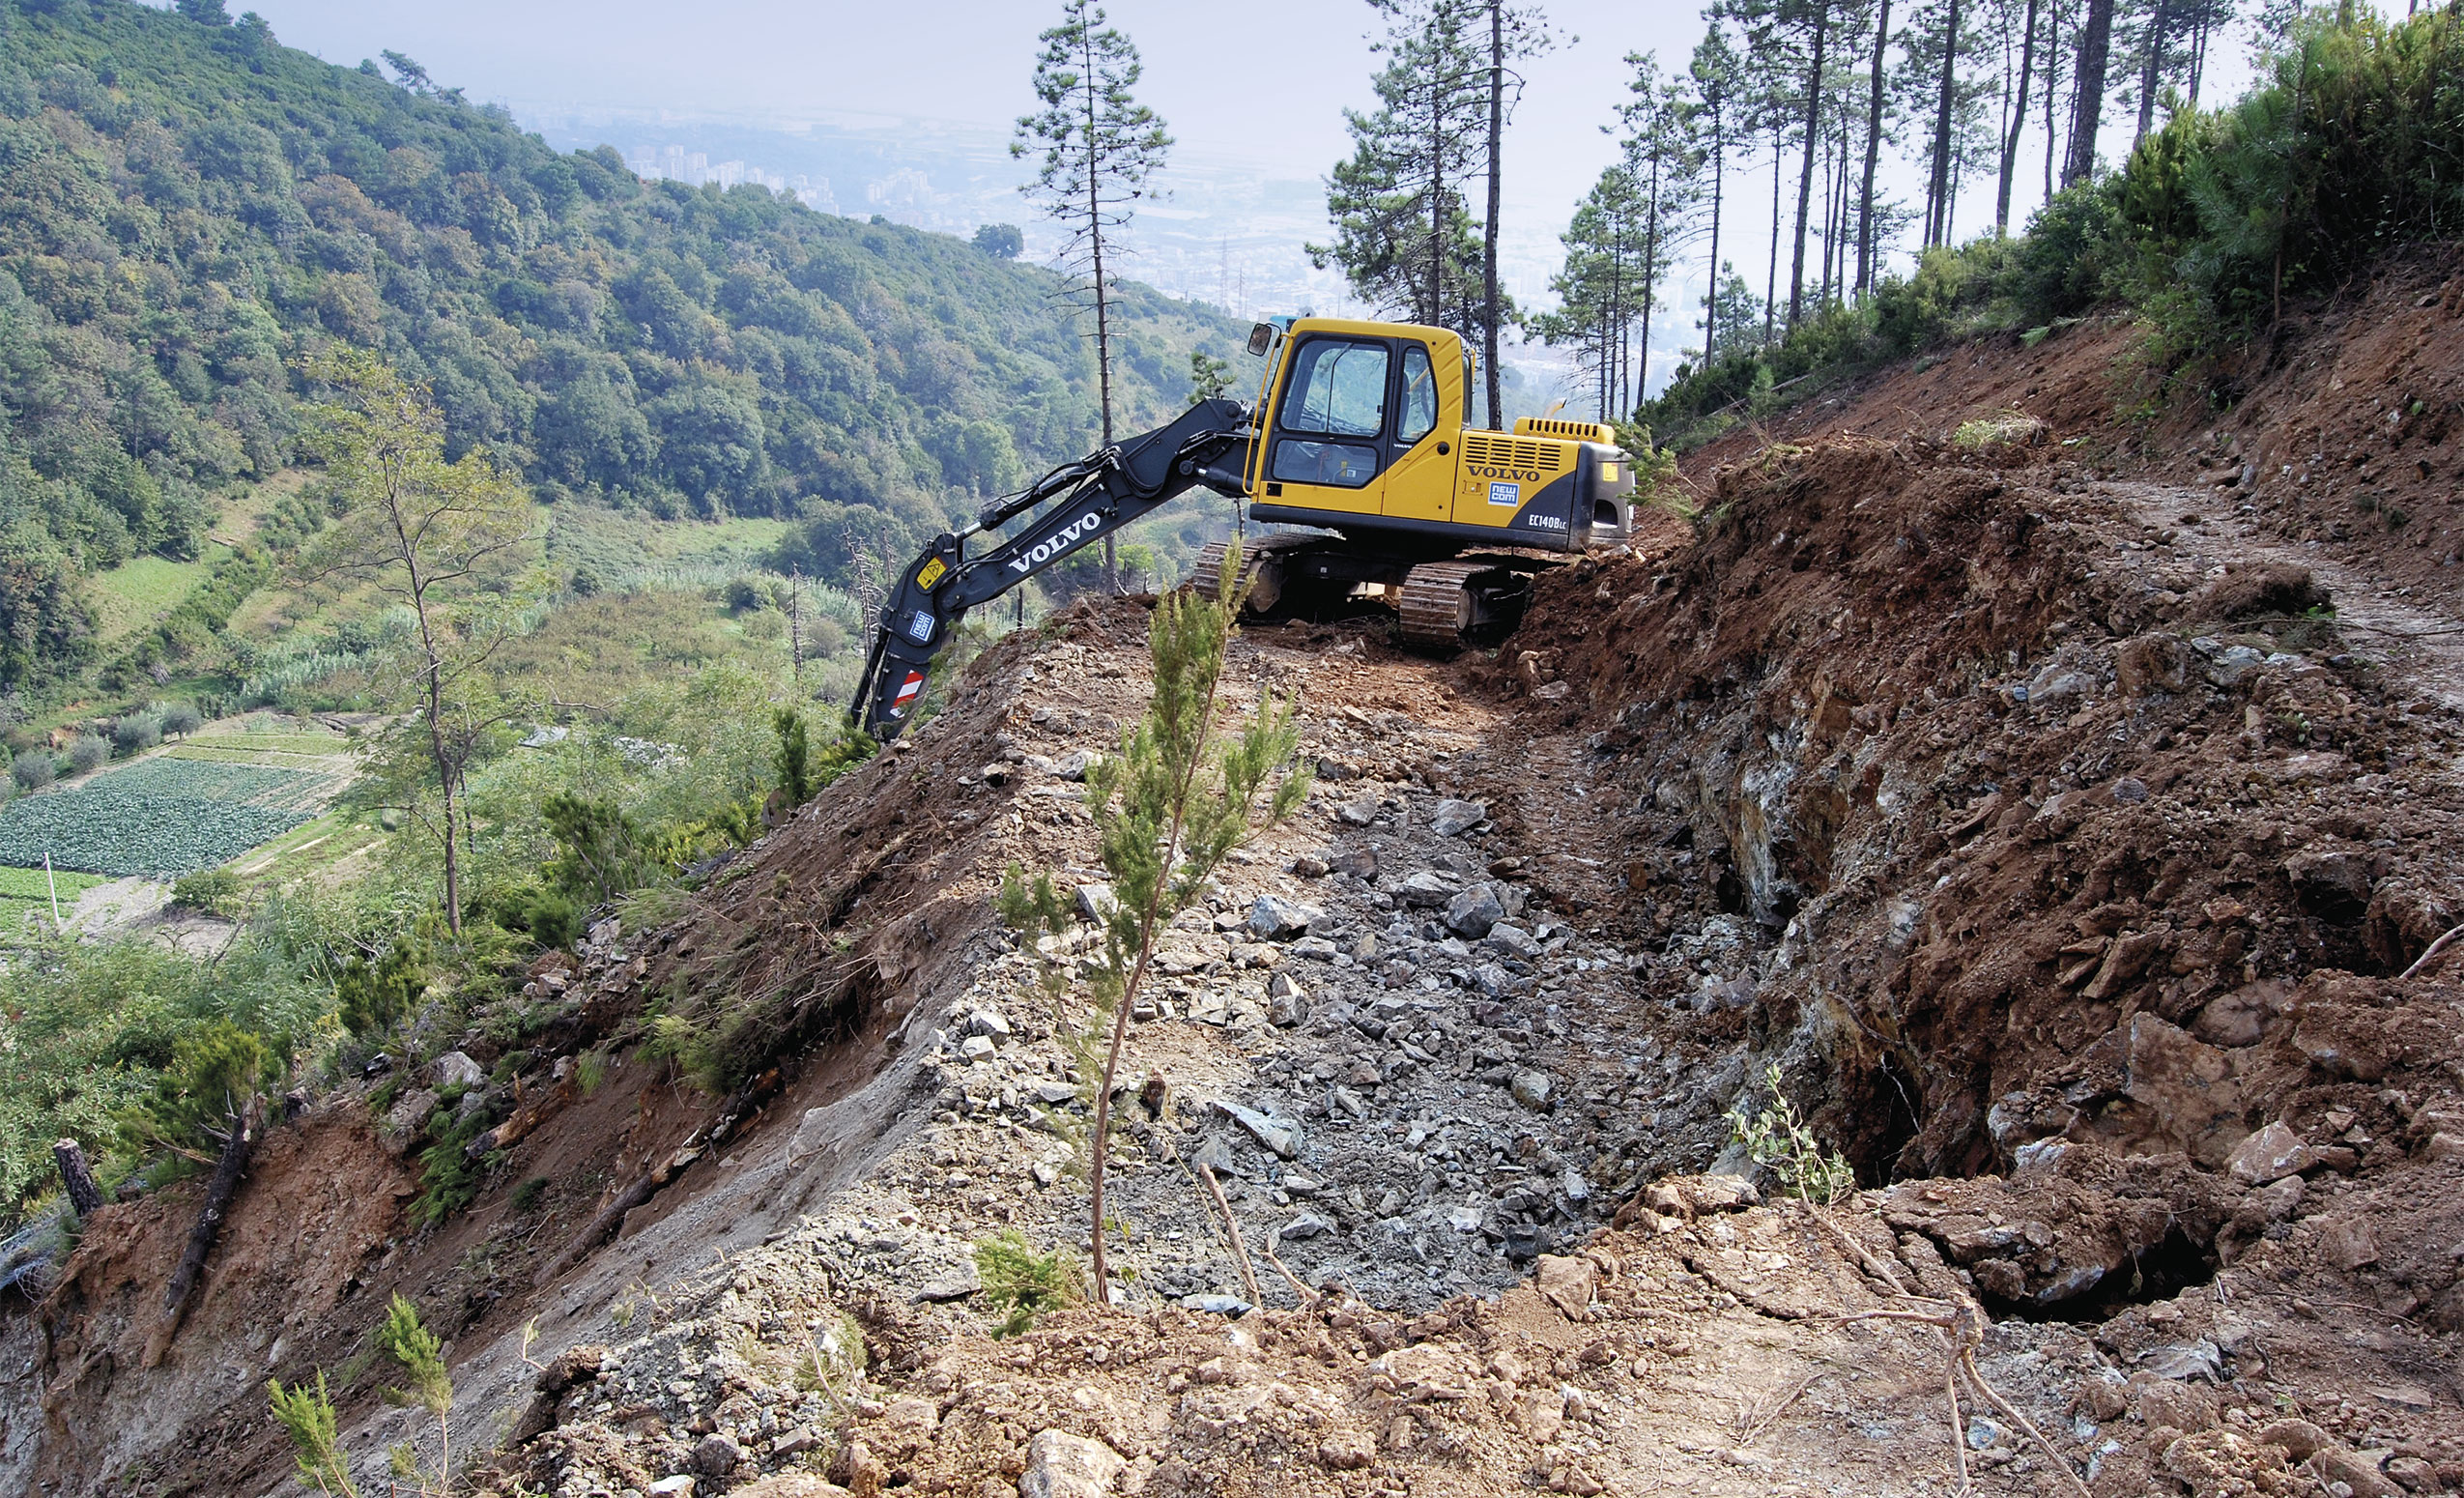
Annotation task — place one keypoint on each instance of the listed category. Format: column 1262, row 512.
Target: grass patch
column 142, row 590
column 25, row 901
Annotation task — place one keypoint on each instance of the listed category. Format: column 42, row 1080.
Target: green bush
column 213, row 1074
column 35, row 770
column 88, row 754
column 208, row 892
column 182, row 720
column 371, row 994
column 137, row 730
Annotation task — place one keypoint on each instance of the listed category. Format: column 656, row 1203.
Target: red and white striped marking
column 908, row 691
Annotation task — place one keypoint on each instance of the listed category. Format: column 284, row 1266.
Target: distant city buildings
column 674, row 163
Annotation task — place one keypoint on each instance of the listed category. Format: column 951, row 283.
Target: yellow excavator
column 1359, row 434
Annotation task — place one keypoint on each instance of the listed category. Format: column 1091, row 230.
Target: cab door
column 1333, row 431
column 1419, row 470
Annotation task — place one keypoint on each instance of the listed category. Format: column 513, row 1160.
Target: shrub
column 34, row 771
column 1774, row 1137
column 209, row 892
column 181, row 718
column 88, row 754
column 370, row 996
column 744, row 594
column 212, row 1071
column 1021, row 1282
column 137, row 730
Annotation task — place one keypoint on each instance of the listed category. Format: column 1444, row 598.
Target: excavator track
column 1259, row 585
column 1437, row 604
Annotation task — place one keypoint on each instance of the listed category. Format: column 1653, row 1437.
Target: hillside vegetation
column 192, row 208
column 2344, row 152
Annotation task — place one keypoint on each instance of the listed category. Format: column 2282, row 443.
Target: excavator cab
column 1364, row 430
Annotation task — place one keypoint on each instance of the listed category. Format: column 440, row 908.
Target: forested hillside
column 193, row 207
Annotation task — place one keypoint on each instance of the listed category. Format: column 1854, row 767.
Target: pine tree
column 2087, row 99
column 1714, row 73
column 1603, row 287
column 1403, row 237
column 1514, row 36
column 1168, row 808
column 2016, row 122
column 1101, row 151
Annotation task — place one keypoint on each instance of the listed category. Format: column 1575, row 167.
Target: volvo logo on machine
column 1054, row 545
column 1518, row 474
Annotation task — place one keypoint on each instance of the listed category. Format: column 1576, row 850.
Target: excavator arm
column 1087, row 500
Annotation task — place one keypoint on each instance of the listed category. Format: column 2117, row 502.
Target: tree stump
column 77, row 1178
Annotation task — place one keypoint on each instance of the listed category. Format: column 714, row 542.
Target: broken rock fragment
column 1062, row 1465
column 1473, row 912
column 2269, row 1155
column 1278, row 1135
column 1452, row 818
column 1273, row 918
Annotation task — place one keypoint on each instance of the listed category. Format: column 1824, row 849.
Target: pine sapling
column 1168, row 809
column 307, row 1416
column 421, row 1356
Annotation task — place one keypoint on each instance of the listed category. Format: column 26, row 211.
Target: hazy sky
column 1263, row 83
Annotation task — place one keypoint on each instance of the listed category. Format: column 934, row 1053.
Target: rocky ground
column 2064, row 837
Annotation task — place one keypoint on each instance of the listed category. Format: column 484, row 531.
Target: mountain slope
column 192, row 207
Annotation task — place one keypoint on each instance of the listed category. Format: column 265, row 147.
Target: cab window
column 1420, row 412
column 1337, row 388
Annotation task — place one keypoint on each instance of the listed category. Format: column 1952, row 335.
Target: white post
column 47, row 879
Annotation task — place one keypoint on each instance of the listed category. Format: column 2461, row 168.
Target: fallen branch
column 644, row 1187
column 1232, row 1228
column 237, row 1146
column 1960, row 1326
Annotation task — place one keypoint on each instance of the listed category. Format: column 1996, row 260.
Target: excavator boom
column 1086, row 501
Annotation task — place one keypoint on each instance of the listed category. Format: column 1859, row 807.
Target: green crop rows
column 162, row 817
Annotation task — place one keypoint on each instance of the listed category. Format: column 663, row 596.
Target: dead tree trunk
column 77, row 1178
column 227, row 1172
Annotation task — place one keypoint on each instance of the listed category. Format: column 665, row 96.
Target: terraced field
column 193, row 805
column 161, row 817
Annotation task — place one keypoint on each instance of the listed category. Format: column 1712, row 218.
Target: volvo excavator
column 1359, row 435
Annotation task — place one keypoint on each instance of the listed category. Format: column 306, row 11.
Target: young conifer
column 1168, row 808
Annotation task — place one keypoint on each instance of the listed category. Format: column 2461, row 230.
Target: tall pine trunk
column 1719, row 177
column 1488, row 244
column 1102, row 295
column 1873, row 155
column 2018, row 122
column 2151, row 69
column 1937, row 217
column 2087, row 103
column 1650, row 284
column 1805, row 174
column 2052, row 88
column 1771, row 273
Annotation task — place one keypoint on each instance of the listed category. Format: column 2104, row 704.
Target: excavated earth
column 2063, row 803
